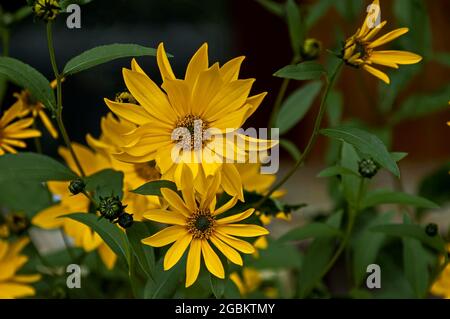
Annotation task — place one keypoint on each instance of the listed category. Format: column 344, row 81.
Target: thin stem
column 280, row 97
column 67, row 245
column 312, row 139
column 59, row 119
column 37, row 141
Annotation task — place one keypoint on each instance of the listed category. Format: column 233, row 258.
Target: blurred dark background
column 231, row 28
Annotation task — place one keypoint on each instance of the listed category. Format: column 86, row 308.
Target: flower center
column 189, row 132
column 147, row 171
column 201, row 224
column 361, row 49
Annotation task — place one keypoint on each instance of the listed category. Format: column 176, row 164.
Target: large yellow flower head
column 360, row 49
column 183, row 125
column 195, row 224
column 13, row 133
column 13, row 285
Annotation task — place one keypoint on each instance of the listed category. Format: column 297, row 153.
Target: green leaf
column 217, row 286
column 296, row 106
column 309, row 70
column 350, row 183
column 34, row 199
column 33, row 167
column 312, row 230
column 110, row 233
column 291, row 148
column 295, row 26
column 385, row 196
column 366, row 245
column 316, row 258
column 442, row 58
column 272, row 6
column 411, row 231
column 144, row 254
column 103, row 54
column 316, row 11
column 335, row 102
column 165, row 283
column 366, row 143
column 350, row 9
column 398, row 156
column 28, row 78
column 107, row 182
column 154, row 187
column 337, row 170
column 420, row 105
column 415, row 263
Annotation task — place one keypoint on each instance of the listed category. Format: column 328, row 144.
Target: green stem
column 59, row 119
column 312, row 139
column 280, row 97
column 37, row 141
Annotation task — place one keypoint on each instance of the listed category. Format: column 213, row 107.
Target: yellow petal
column 230, row 70
column 243, row 230
column 225, row 207
column 381, row 75
column 239, row 244
column 13, row 290
column 198, row 63
column 48, row 218
column 231, row 181
column 388, row 37
column 130, row 112
column 26, row 279
column 166, row 236
column 212, row 261
column 193, row 262
column 24, row 134
column 229, row 252
column 213, row 186
column 236, row 218
column 163, row 63
column 175, row 202
column 108, row 257
column 176, row 251
column 48, row 124
column 398, row 57
column 148, row 94
column 166, row 217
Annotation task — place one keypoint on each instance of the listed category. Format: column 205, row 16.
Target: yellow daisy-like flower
column 441, row 286
column 13, row 285
column 13, row 133
column 195, row 224
column 360, row 49
column 36, row 109
column 208, row 101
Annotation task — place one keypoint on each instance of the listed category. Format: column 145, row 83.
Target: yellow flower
column 195, row 223
column 248, row 282
column 360, row 49
column 441, row 286
column 11, row 134
column 209, row 100
column 13, row 285
column 35, row 108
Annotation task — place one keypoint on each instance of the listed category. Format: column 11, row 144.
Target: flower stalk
column 58, row 78
column 312, row 140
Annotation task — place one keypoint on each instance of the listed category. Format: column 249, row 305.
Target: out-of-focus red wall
column 263, row 38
